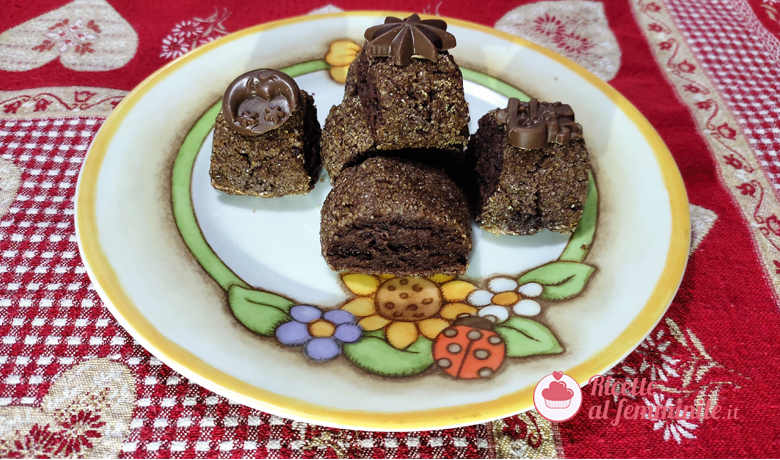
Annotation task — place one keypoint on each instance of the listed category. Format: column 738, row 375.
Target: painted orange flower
column 340, row 56
column 407, row 307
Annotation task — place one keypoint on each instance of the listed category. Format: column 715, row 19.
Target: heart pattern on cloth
column 86, row 36
column 329, row 8
column 10, row 178
column 576, row 29
column 702, row 220
column 86, row 414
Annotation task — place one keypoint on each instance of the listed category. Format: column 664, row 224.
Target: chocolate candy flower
column 403, row 38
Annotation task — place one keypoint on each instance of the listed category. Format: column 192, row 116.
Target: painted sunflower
column 407, row 307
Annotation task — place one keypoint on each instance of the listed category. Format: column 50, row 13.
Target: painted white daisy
column 503, row 296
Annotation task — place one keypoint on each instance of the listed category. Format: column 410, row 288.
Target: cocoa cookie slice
column 266, row 137
column 389, row 215
column 347, row 141
column 410, row 87
column 532, row 168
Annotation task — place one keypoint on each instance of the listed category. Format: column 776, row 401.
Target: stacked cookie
column 388, row 148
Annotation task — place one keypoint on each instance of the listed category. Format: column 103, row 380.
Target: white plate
column 163, row 248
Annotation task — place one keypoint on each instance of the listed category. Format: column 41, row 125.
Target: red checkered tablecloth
column 74, row 383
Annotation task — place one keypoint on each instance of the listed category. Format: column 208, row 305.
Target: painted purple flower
column 320, row 334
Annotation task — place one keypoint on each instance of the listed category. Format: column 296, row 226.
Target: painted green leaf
column 524, row 337
column 580, row 241
column 373, row 354
column 378, row 333
column 561, row 280
column 261, row 312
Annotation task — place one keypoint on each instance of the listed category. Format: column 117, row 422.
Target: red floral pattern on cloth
column 84, row 414
column 739, row 160
column 82, row 35
column 739, row 55
column 76, row 435
column 40, row 100
column 685, row 373
column 577, row 30
column 66, row 36
column 51, row 318
column 188, row 35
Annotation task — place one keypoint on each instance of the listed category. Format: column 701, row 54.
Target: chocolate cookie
column 347, row 141
column 388, row 215
column 266, row 137
column 410, row 87
column 532, row 168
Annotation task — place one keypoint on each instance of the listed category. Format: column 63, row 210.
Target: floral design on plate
column 504, row 296
column 406, row 308
column 575, row 29
column 391, row 324
column 321, row 335
column 340, row 56
column 190, row 34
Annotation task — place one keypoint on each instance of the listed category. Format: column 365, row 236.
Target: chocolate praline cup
column 266, row 137
column 394, row 216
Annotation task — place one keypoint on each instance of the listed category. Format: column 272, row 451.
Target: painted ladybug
column 469, row 348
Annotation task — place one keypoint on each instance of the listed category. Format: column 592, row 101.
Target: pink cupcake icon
column 557, row 395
